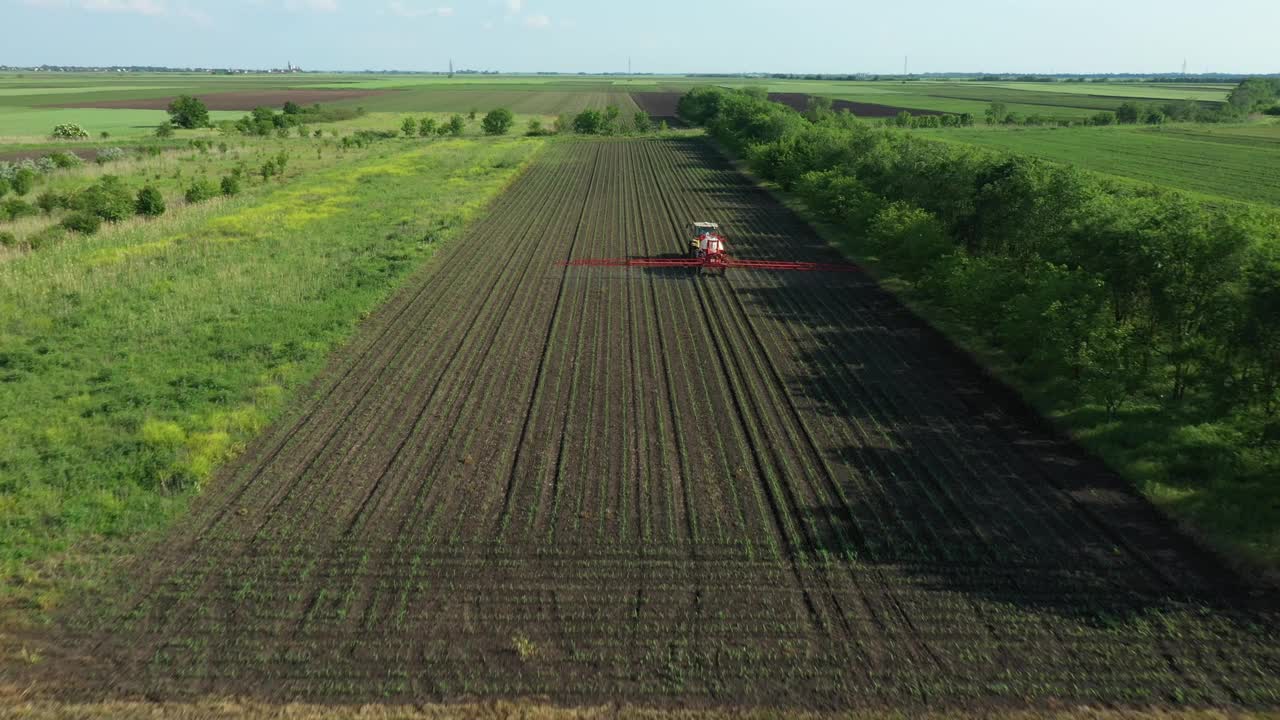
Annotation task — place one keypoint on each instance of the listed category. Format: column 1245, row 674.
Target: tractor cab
column 707, row 240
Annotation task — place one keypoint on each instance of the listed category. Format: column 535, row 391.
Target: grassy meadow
column 1234, row 162
column 134, row 361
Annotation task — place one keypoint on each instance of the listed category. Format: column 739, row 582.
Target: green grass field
column 25, row 100
column 1232, row 162
column 155, row 349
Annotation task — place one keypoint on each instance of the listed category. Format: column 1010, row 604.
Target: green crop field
column 336, row 407
column 1234, row 162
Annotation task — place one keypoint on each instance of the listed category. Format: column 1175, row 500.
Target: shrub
column 535, row 129
column 150, row 202
column 188, row 112
column 50, row 200
column 14, row 208
column 4, row 186
column 63, row 159
column 427, row 127
column 588, row 122
column 200, row 190
column 23, row 181
column 498, row 122
column 104, row 134
column 230, row 185
column 267, row 170
column 456, row 125
column 82, row 222
column 642, row 123
column 8, row 239
column 69, row 131
column 164, row 130
column 108, row 199
column 109, row 155
column 48, row 236
column 409, row 127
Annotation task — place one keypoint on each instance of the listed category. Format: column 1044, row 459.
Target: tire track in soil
column 505, row 486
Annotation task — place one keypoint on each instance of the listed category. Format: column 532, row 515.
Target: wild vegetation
column 1143, row 319
column 186, row 334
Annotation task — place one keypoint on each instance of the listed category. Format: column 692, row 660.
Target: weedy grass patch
column 133, row 362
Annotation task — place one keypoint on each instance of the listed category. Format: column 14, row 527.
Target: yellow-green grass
column 135, row 361
column 19, row 124
column 173, row 171
column 1233, row 162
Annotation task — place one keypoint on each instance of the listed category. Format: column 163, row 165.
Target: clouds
column 146, row 8
column 317, row 6
column 537, row 22
column 409, row 9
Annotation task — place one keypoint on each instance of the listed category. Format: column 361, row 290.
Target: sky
column 655, row 36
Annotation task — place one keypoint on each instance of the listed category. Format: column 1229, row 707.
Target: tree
column 409, row 127
column 1129, row 113
column 534, row 128
column 997, row 113
column 150, row 202
column 292, row 108
column 588, row 122
column 427, row 127
column 498, row 121
column 642, row 123
column 456, row 126
column 1254, row 94
column 188, row 112
column 817, row 108
column 69, row 131
column 230, row 185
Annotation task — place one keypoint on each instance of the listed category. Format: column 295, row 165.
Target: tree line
column 1113, row 294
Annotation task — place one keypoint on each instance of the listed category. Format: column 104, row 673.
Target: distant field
column 1234, row 162
column 1058, row 100
column 30, row 124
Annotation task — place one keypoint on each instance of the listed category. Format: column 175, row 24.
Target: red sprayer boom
column 708, row 250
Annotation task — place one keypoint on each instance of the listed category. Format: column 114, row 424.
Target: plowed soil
column 800, row 101
column 245, row 100
column 591, row 484
column 660, row 106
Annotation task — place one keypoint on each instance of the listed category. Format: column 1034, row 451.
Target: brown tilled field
column 594, row 484
column 242, row 100
column 800, row 101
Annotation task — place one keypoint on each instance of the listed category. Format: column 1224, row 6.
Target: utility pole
column 451, row 67
column 628, row 65
column 905, row 58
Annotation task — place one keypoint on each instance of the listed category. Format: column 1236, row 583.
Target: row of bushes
column 111, row 200
column 1111, row 293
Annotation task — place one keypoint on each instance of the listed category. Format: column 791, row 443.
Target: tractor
column 708, row 247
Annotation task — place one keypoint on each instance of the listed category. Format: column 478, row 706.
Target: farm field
column 589, row 484
column 129, row 103
column 1234, row 162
